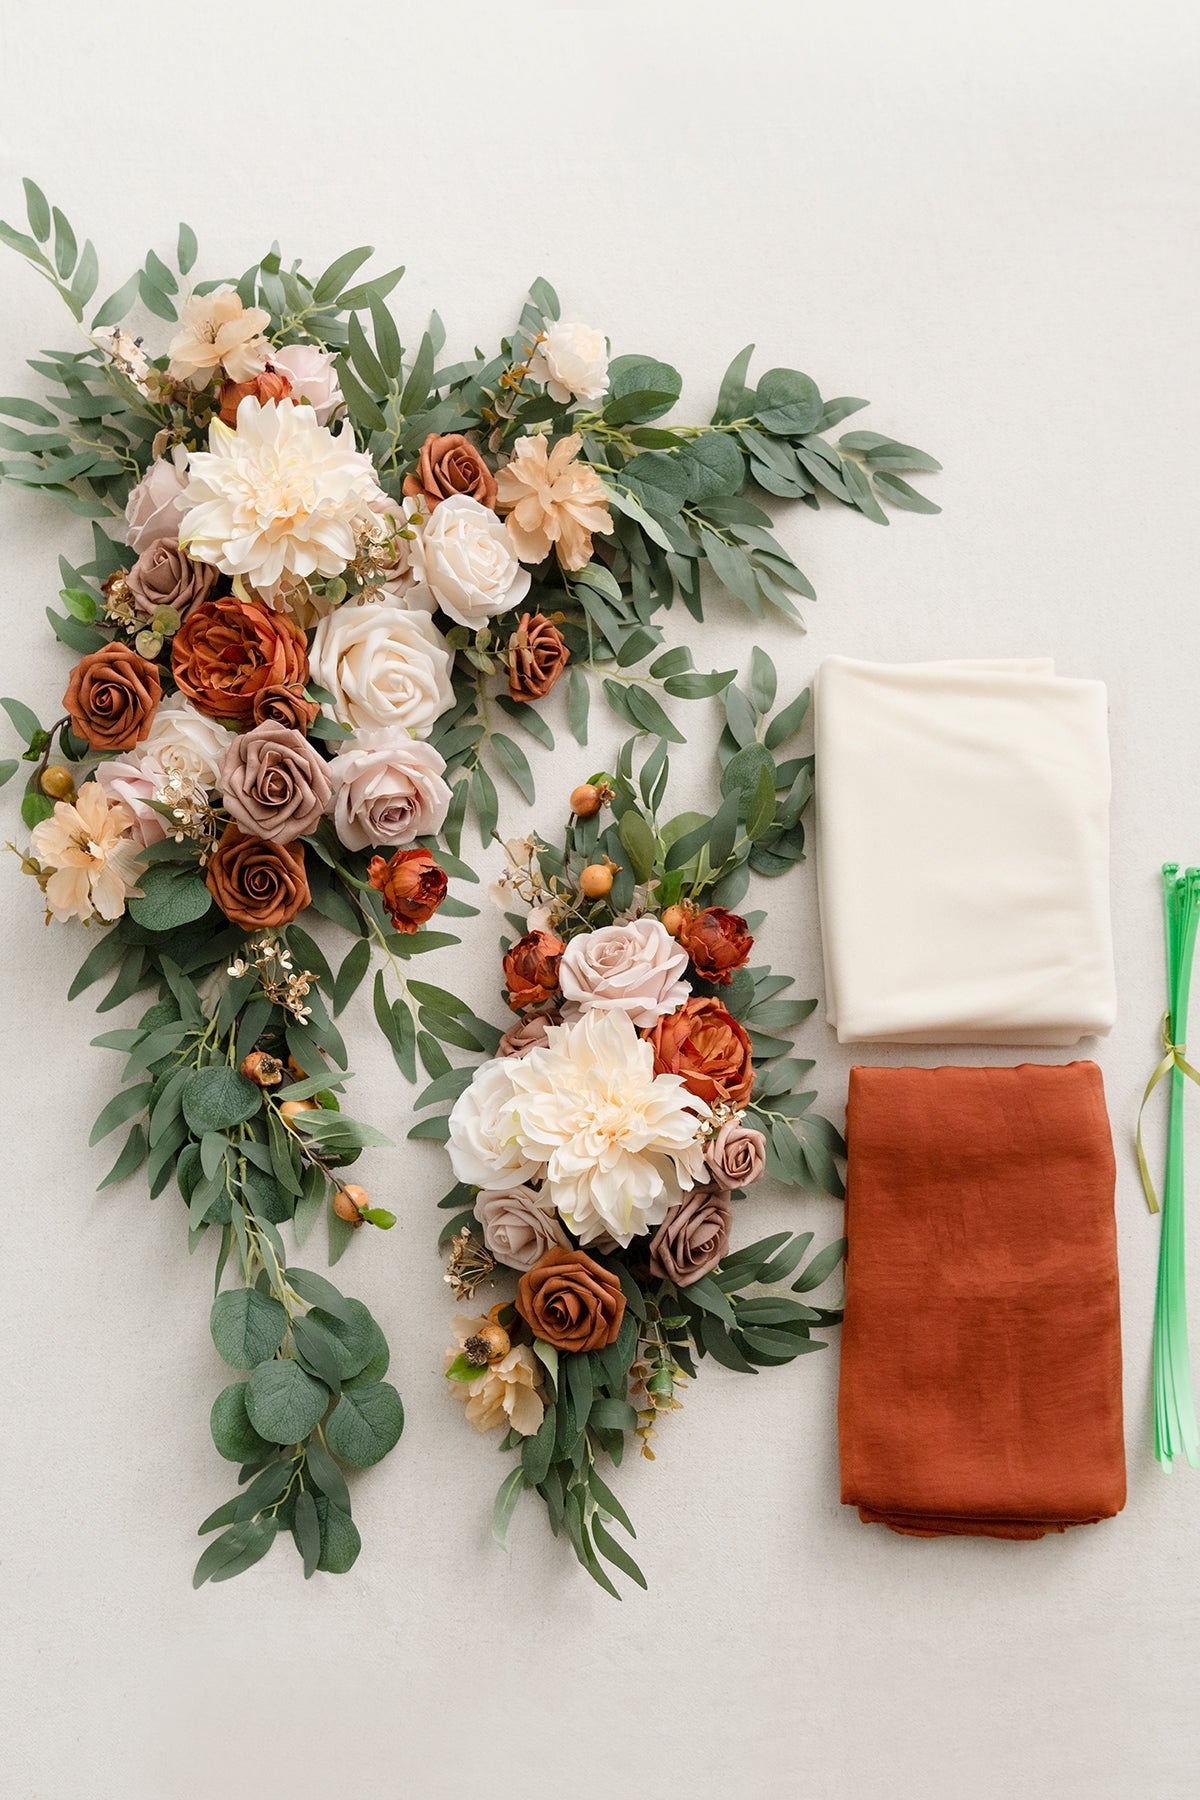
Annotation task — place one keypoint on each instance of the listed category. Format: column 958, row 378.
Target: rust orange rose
column 272, row 384
column 537, row 656
column 228, row 651
column 717, row 941
column 112, row 697
column 569, row 1301
column 284, row 706
column 412, row 884
column 257, row 885
column 531, row 969
column 707, row 1046
column 450, row 464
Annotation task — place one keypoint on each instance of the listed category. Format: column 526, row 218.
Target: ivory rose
column 572, row 360
column 313, row 375
column 153, row 509
column 384, row 666
column 388, row 789
column 182, row 738
column 519, row 1224
column 468, row 563
column 483, row 1146
column 635, row 969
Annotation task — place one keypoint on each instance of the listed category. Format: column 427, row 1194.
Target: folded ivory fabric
column 980, row 1389
column 962, row 852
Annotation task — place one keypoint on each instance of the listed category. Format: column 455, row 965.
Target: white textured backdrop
column 986, row 221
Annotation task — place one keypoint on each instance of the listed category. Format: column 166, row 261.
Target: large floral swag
column 340, row 574
column 601, row 1154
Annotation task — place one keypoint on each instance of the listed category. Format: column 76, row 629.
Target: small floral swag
column 341, row 574
column 601, row 1153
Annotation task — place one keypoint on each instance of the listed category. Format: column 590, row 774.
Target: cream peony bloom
column 384, row 665
column 636, row 968
column 94, row 859
column 619, row 1142
column 217, row 334
column 553, row 501
column 181, row 738
column 468, row 564
column 572, row 360
column 313, row 375
column 280, row 498
column 507, row 1392
column 483, row 1146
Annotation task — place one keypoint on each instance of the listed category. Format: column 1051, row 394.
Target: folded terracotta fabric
column 962, row 852
column 980, row 1389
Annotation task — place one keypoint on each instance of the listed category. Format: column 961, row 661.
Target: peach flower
column 553, row 501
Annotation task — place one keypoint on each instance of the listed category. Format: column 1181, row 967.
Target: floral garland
column 601, row 1152
column 339, row 569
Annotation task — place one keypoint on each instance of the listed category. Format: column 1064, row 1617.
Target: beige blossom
column 87, row 845
column 506, row 1392
column 553, row 501
column 218, row 334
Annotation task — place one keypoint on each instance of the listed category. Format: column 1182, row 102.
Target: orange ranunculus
column 227, row 651
column 531, row 969
column 272, row 384
column 706, row 1045
column 257, row 884
column 112, row 697
column 569, row 1301
column 450, row 464
column 413, row 886
column 717, row 941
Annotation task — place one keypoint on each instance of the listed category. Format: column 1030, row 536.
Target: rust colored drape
column 980, row 1390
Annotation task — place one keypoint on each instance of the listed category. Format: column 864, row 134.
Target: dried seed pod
column 262, row 1069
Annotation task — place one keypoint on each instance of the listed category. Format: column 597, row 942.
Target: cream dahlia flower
column 280, row 498
column 553, row 501
column 619, row 1142
column 95, row 862
column 218, row 333
column 507, row 1392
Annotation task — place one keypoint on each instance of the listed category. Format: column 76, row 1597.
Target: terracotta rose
column 412, row 884
column 537, row 656
column 112, row 697
column 284, row 706
column 451, row 464
column 228, row 651
column 569, row 1301
column 531, row 969
column 693, row 1237
column 257, row 885
column 707, row 1046
column 717, row 941
column 165, row 575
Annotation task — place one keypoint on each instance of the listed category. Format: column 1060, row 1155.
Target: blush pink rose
column 134, row 781
column 517, row 1228
column 388, row 789
column 635, row 969
column 313, row 375
column 737, row 1156
column 152, row 510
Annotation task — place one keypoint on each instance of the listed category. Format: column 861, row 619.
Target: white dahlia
column 619, row 1142
column 282, row 496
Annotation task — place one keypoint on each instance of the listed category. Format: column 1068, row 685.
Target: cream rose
column 634, row 969
column 384, row 666
column 572, row 360
column 483, row 1146
column 182, row 738
column 153, row 510
column 313, row 375
column 519, row 1224
column 387, row 789
column 468, row 564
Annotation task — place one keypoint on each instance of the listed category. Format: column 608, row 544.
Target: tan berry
column 487, row 1345
column 348, row 1203
column 58, row 783
column 263, row 1070
column 291, row 1109
column 596, row 881
column 672, row 920
column 585, row 801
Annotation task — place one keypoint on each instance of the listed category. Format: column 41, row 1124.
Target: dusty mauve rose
column 569, row 1301
column 413, row 886
column 707, row 1046
column 531, row 968
column 634, row 968
column 537, row 656
column 736, row 1156
column 517, row 1228
column 284, row 706
column 528, row 1033
column 227, row 651
column 112, row 696
column 388, row 789
column 272, row 384
column 165, row 575
column 717, row 941
column 450, row 464
column 152, row 509
column 693, row 1237
column 313, row 375
column 256, row 884
column 274, row 784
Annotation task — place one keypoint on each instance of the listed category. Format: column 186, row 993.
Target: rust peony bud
column 537, row 656
column 706, row 1045
column 717, row 941
column 531, row 969
column 585, row 800
column 348, row 1203
column 58, row 783
column 262, row 1069
column 412, row 884
column 272, row 384
column 596, row 881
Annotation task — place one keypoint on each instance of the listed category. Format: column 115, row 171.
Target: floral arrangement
column 600, row 1154
column 327, row 575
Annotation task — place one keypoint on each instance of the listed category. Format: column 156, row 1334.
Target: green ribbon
column 1174, row 1058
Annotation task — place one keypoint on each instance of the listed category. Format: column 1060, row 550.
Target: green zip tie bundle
column 1175, row 1431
